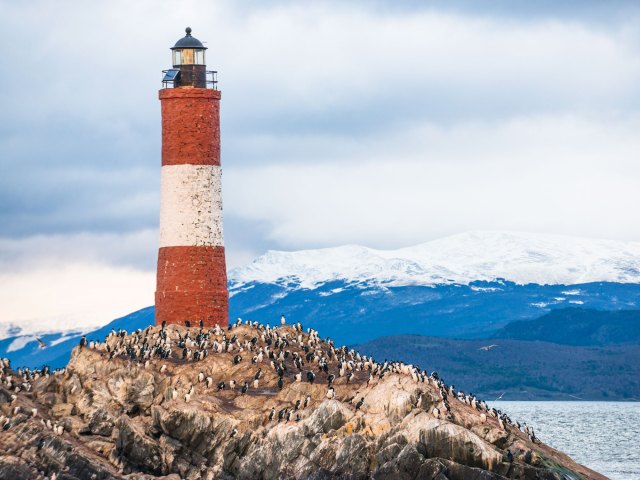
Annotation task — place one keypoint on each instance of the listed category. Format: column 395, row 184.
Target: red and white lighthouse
column 192, row 276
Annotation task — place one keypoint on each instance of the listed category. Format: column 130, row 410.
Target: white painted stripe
column 191, row 206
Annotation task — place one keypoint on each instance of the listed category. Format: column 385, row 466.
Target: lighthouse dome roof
column 188, row 41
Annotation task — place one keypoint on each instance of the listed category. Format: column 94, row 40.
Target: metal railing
column 168, row 81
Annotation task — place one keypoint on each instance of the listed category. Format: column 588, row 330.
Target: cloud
column 301, row 84
column 72, row 295
column 137, row 249
column 545, row 174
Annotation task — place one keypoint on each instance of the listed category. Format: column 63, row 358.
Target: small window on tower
column 199, row 57
column 176, row 57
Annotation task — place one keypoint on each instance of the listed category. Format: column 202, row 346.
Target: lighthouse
column 192, row 276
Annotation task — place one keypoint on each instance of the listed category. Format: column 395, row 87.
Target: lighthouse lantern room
column 189, row 66
column 191, row 279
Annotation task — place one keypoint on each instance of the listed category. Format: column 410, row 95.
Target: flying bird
column 486, row 348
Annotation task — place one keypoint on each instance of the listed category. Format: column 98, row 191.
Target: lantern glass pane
column 176, row 57
column 199, row 57
column 187, row 56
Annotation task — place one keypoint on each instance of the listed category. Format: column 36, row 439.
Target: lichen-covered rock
column 138, row 448
column 130, row 408
column 101, row 424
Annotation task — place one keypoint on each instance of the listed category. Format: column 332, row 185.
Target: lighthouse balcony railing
column 170, row 76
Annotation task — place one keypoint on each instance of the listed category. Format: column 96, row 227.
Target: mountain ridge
column 522, row 258
column 577, row 326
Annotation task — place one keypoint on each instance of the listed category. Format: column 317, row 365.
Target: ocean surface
column 604, row 436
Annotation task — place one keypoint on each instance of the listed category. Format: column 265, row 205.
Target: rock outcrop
column 153, row 404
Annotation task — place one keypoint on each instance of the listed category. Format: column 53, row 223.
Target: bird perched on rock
column 359, row 404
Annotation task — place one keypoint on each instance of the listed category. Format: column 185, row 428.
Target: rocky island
column 251, row 402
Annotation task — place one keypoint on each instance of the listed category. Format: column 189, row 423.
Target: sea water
column 604, row 436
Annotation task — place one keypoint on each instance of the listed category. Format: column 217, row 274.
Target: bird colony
column 254, row 401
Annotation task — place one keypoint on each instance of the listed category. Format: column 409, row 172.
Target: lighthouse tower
column 192, row 278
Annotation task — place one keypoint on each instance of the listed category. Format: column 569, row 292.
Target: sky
column 379, row 123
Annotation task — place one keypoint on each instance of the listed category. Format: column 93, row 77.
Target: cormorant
column 311, row 376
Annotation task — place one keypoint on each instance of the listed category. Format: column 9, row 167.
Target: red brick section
column 190, row 126
column 192, row 285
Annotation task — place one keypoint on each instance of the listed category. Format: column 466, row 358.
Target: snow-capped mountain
column 462, row 286
column 521, row 258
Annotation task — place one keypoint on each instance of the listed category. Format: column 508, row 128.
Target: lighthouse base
column 192, row 286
